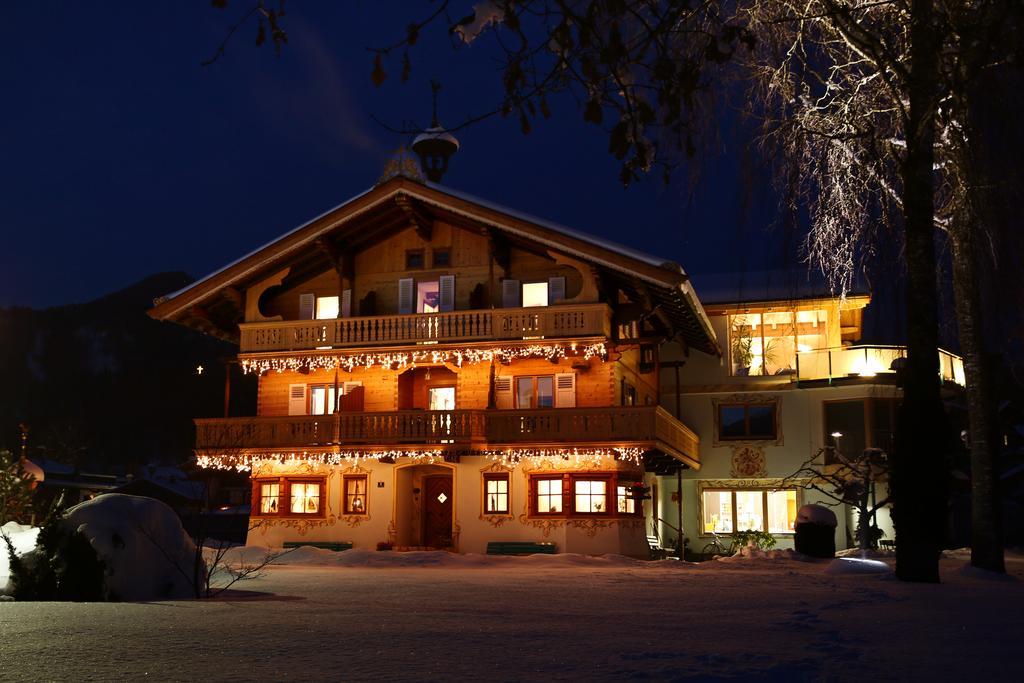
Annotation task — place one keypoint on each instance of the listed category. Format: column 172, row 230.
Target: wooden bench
column 519, row 548
column 336, row 546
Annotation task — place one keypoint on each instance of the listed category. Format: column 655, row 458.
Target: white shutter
column 296, row 399
column 556, row 289
column 346, row 303
column 446, row 283
column 565, row 390
column 346, row 387
column 503, row 392
column 307, row 306
column 405, row 295
column 511, row 291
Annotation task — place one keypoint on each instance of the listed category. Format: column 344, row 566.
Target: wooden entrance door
column 437, row 511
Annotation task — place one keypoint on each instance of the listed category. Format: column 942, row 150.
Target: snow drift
column 147, row 554
column 23, row 537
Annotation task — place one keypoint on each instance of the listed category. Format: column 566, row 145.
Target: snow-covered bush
column 63, row 565
column 146, row 553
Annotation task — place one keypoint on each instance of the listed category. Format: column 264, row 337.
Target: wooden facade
column 415, row 341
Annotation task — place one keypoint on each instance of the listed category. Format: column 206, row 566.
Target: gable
column 362, row 245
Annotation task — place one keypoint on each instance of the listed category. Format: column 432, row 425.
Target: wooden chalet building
column 436, row 371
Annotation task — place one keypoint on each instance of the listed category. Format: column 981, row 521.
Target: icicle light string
column 509, row 458
column 402, row 359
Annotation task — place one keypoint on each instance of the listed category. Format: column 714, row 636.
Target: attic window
column 414, row 259
column 442, row 258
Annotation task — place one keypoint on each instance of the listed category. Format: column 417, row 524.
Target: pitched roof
column 390, row 202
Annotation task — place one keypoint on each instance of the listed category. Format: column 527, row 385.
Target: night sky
column 122, row 156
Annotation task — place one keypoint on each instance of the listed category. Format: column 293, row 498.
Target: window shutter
column 346, row 303
column 349, row 386
column 511, row 293
column 503, row 392
column 446, row 283
column 565, row 390
column 405, row 295
column 296, row 399
column 307, row 306
column 556, row 289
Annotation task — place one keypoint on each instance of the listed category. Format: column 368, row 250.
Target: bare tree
column 849, row 481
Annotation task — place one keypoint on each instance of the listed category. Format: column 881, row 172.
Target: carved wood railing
column 581, row 320
column 564, row 427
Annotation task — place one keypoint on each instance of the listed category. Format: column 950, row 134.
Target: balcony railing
column 581, row 320
column 478, row 429
column 868, row 361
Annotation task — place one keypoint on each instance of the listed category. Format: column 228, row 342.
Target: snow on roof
column 569, row 232
column 767, row 285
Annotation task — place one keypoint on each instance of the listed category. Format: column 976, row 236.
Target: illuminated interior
column 767, row 343
column 428, row 297
column 591, row 495
column 535, row 294
column 326, row 307
column 305, row 498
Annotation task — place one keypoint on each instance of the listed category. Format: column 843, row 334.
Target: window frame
column 447, row 251
column 498, row 476
column 747, row 436
column 613, row 481
column 284, row 502
column 346, row 505
column 413, row 253
column 522, row 293
column 533, row 398
column 763, row 490
column 868, row 414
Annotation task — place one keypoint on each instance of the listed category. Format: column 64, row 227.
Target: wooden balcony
column 581, row 320
column 640, row 426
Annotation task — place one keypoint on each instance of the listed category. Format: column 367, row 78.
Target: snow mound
column 148, row 555
column 871, row 553
column 857, row 565
column 357, row 557
column 749, row 552
column 23, row 537
column 816, row 514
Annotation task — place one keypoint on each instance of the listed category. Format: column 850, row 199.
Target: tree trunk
column 986, row 536
column 919, row 462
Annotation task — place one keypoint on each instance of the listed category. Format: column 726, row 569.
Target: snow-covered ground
column 431, row 616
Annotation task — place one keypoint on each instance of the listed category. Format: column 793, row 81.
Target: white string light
column 509, row 458
column 402, row 359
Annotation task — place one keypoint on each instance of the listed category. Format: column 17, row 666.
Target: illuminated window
column 305, row 498
column 728, row 511
column 270, row 495
column 496, row 493
column 321, row 399
column 549, row 496
column 627, row 504
column 441, row 398
column 326, row 307
column 767, row 343
column 355, row 494
column 535, row 294
column 428, row 297
column 591, row 496
column 747, row 421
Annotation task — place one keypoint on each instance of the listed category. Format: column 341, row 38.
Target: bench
column 654, row 545
column 519, row 548
column 336, row 546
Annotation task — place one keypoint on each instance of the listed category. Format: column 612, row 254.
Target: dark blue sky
column 122, row 156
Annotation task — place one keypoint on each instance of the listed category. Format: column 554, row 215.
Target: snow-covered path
column 551, row 619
